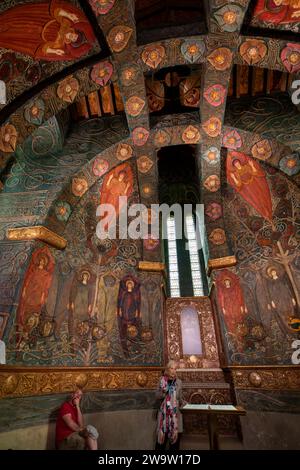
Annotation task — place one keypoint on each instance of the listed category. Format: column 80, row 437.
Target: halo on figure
column 132, row 331
column 270, row 269
column 129, row 281
column 236, row 160
column 44, row 257
column 226, row 279
column 84, row 271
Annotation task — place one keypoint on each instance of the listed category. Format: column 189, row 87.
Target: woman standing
column 169, row 420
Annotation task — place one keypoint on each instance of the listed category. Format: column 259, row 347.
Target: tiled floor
column 200, row 442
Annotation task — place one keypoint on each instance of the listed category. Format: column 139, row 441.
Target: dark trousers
column 166, row 445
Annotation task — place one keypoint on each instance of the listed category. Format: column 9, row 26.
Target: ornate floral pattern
column 79, row 186
column 129, row 74
column 140, row 136
column 229, row 17
column 134, row 105
column 68, row 89
column 118, row 37
column 150, row 243
column 124, row 151
column 62, row 211
column 191, row 135
column 290, row 164
column 101, row 73
column 217, row 236
column 212, row 183
column 100, row 166
column 212, row 155
column 253, row 50
column 215, row 95
column 34, row 111
column 214, row 210
column 212, row 126
column 232, row 140
column 102, row 7
column 262, row 150
column 192, row 50
column 147, row 190
column 8, row 138
column 162, row 138
column 220, row 58
column 153, row 55
column 144, row 164
column 290, row 57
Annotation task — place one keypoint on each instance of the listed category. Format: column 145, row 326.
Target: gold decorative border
column 219, row 263
column 37, row 232
column 266, row 377
column 151, row 266
column 24, row 381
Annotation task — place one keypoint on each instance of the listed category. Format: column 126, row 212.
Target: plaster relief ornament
column 147, row 190
column 215, row 95
column 151, row 243
column 253, row 51
column 101, row 73
column 79, row 186
column 8, row 138
column 140, row 136
column 144, row 164
column 62, row 211
column 68, row 89
column 129, row 75
column 232, row 140
column 262, row 150
column 290, row 164
column 153, row 55
column 124, row 151
column 212, row 126
column 220, row 58
column 212, row 156
column 191, row 135
column 290, row 57
column 100, row 166
column 134, row 106
column 192, row 50
column 217, row 236
column 229, row 17
column 162, row 138
column 212, row 183
column 102, row 7
column 34, row 112
column 118, row 37
column 214, row 210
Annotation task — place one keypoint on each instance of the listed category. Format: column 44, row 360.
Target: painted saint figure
column 106, row 308
column 248, row 178
column 231, row 301
column 276, row 298
column 129, row 311
column 81, row 299
column 55, row 30
column 117, row 183
column 278, row 11
column 35, row 289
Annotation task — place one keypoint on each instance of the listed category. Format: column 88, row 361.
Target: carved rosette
column 28, row 381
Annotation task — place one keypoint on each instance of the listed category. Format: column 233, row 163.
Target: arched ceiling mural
column 220, row 62
column 90, row 91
